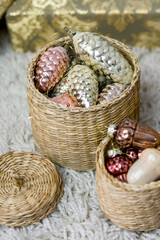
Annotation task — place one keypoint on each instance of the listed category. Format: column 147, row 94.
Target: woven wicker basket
column 135, row 208
column 30, row 188
column 70, row 136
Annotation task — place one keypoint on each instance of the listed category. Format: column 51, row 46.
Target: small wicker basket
column 135, row 208
column 30, row 188
column 70, row 136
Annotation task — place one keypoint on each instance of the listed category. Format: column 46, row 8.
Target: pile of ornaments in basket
column 88, row 73
column 137, row 158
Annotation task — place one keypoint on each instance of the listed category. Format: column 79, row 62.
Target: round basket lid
column 30, row 188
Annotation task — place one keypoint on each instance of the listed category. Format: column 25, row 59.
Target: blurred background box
column 33, row 23
column 4, row 4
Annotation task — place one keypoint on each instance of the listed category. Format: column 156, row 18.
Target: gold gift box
column 4, row 4
column 33, row 23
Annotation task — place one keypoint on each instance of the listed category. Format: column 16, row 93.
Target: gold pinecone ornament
column 83, row 85
column 110, row 92
column 50, row 68
column 61, row 87
column 102, row 57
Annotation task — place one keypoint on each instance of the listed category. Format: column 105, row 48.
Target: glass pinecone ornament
column 140, row 152
column 61, row 87
column 118, row 164
column 66, row 99
column 110, row 92
column 132, row 154
column 50, row 68
column 103, row 81
column 131, row 133
column 122, row 177
column 83, row 85
column 158, row 147
column 99, row 54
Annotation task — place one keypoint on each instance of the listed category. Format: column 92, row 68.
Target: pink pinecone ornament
column 50, row 68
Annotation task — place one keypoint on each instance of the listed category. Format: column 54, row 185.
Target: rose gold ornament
column 130, row 133
column 118, row 164
column 66, row 99
column 139, row 152
column 132, row 154
column 50, row 68
column 122, row 177
column 158, row 147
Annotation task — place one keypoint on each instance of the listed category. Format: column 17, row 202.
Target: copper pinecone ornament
column 50, row 68
column 118, row 164
column 66, row 99
column 131, row 133
column 104, row 58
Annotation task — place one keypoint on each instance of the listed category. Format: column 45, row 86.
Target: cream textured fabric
column 78, row 215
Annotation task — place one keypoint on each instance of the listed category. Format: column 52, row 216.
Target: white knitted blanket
column 78, row 215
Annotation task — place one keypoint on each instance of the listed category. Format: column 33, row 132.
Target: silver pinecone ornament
column 110, row 92
column 104, row 58
column 83, row 85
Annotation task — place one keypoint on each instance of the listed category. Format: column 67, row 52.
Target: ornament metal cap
column 114, row 152
column 111, row 130
column 71, row 31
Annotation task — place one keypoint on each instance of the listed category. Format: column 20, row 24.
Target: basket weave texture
column 135, row 208
column 30, row 188
column 70, row 136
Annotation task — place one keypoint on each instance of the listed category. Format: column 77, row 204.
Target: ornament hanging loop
column 71, row 32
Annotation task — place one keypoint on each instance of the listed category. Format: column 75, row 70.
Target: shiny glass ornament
column 132, row 154
column 110, row 92
column 50, row 68
column 131, row 133
column 118, row 164
column 83, row 85
column 61, row 87
column 66, row 99
column 101, row 56
column 122, row 177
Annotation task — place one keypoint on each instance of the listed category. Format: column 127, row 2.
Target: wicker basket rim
column 32, row 64
column 115, row 181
